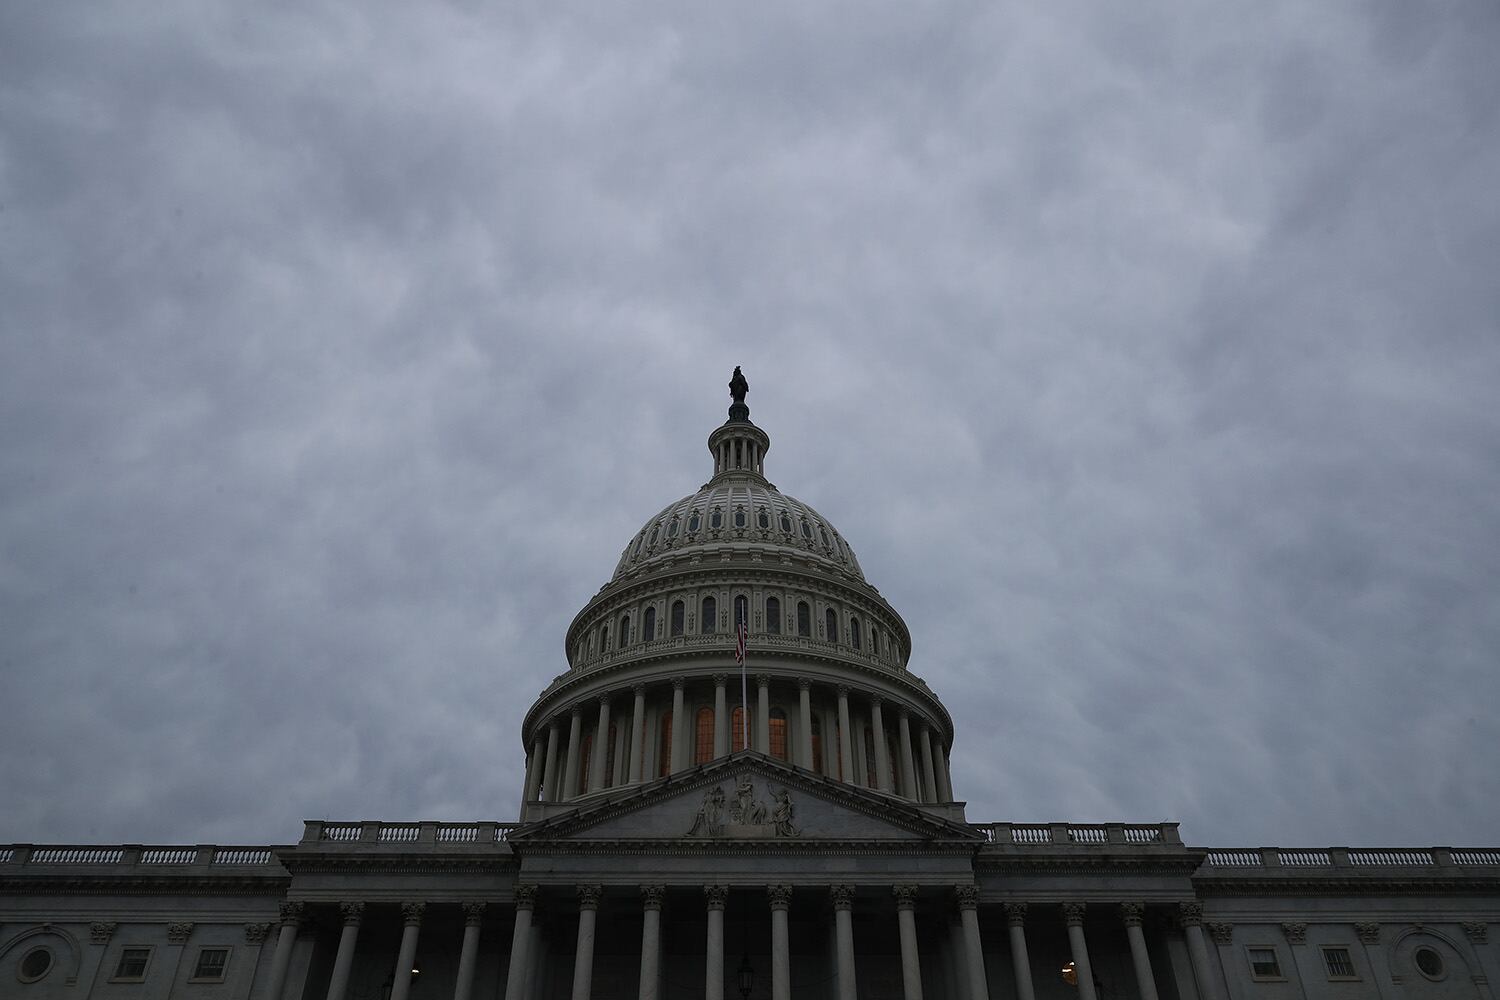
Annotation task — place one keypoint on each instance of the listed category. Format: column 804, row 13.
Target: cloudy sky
column 1146, row 354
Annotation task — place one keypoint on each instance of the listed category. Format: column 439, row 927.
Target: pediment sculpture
column 747, row 817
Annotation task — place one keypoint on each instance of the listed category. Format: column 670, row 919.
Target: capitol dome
column 825, row 683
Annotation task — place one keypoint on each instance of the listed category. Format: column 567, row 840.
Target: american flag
column 741, row 640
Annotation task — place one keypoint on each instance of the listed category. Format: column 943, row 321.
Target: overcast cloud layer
column 1146, row 354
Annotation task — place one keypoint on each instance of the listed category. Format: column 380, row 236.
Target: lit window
column 710, row 616
column 773, row 616
column 1340, row 965
column 1263, row 963
column 704, row 751
column 737, row 729
column 211, row 963
column 133, row 962
column 778, row 734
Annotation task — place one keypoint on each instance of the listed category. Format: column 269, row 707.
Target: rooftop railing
column 137, row 856
column 1084, row 834
column 423, row 834
column 1246, row 859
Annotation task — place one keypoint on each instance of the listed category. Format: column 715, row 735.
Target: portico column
column 968, row 914
column 601, row 746
column 537, row 765
column 846, row 737
column 1145, row 982
column 411, row 926
column 1191, row 915
column 583, row 961
column 569, row 787
column 882, row 755
column 911, row 963
column 944, row 772
column 520, row 944
column 930, row 790
column 550, row 780
column 469, row 952
column 678, row 757
column 908, row 762
column 1015, row 919
column 843, row 928
column 781, row 959
column 292, row 912
column 638, row 735
column 713, row 986
column 804, row 706
column 1073, row 913
column 721, row 717
column 338, row 985
column 763, row 717
column 651, row 897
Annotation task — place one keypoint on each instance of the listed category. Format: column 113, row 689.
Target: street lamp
column 745, row 977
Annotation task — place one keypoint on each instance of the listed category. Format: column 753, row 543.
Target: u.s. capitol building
column 687, row 831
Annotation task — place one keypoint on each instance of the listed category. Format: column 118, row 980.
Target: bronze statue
column 738, row 386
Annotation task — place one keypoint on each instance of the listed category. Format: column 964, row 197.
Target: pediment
column 747, row 797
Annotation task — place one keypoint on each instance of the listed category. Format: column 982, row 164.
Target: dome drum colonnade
column 650, row 690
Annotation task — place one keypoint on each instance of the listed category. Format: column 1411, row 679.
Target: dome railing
column 725, row 641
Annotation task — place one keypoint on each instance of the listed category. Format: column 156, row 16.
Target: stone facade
column 684, row 834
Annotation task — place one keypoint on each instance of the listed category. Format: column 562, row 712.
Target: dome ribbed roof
column 751, row 513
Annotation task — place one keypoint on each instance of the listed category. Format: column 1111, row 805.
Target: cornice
column 328, row 862
column 1093, row 864
column 1363, row 885
column 136, row 885
column 675, row 847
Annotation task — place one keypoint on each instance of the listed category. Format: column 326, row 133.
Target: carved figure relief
column 781, row 814
column 707, row 821
column 746, row 815
column 745, row 810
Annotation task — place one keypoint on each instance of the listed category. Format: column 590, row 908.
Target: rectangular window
column 1340, row 965
column 211, row 965
column 133, row 962
column 1263, row 963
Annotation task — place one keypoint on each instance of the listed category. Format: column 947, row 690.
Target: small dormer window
column 739, row 517
column 672, row 529
column 786, row 523
column 694, row 523
column 806, row 530
column 716, row 518
column 763, row 519
column 652, row 540
column 826, row 543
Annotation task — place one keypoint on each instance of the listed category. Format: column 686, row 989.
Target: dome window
column 804, row 620
column 638, row 543
column 716, row 518
column 854, row 632
column 710, row 616
column 678, row 612
column 786, row 523
column 739, row 517
column 652, row 540
column 648, row 628
column 778, row 733
column 703, row 748
column 624, row 631
column 741, row 611
column 763, row 519
column 694, row 523
column 826, row 543
column 831, row 625
column 806, row 530
column 672, row 528
column 773, row 616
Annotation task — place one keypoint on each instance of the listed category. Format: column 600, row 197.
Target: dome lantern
column 738, row 446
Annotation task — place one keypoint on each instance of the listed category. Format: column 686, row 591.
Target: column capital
column 843, row 690
column 877, row 702
column 1015, row 914
column 842, row 896
column 1296, row 932
column 293, row 911
column 1132, row 913
column 179, row 933
column 257, row 933
column 525, row 896
column 589, row 896
column 577, row 711
column 780, row 895
column 473, row 912
column 762, row 680
column 639, row 690
column 803, row 684
column 678, row 683
column 1073, row 913
column 1477, row 931
column 716, row 895
column 967, row 896
column 606, row 699
column 1368, row 931
column 411, row 914
column 1190, row 913
column 652, row 896
column 906, row 896
column 720, row 680
column 353, row 913
column 1223, row 933
column 904, row 715
column 100, row 931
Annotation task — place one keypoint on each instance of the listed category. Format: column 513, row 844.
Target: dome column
column 882, row 760
column 846, row 744
column 929, row 773
column 721, row 716
column 804, row 705
column 575, row 738
column 550, row 780
column 534, row 767
column 908, row 762
column 638, row 734
column 601, row 746
column 678, row 757
column 763, row 715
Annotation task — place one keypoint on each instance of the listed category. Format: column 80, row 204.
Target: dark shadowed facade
column 689, row 830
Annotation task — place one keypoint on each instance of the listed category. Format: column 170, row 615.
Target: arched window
column 854, row 631
column 648, row 627
column 710, row 618
column 773, row 616
column 741, row 610
column 804, row 619
column 704, row 751
column 609, row 758
column 624, row 631
column 831, row 626
column 665, row 765
column 583, row 763
column 872, row 776
column 603, row 638
column 817, row 744
column 874, row 640
column 678, row 610
column 737, row 729
column 778, row 734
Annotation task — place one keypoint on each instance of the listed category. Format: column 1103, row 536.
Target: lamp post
column 745, row 977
